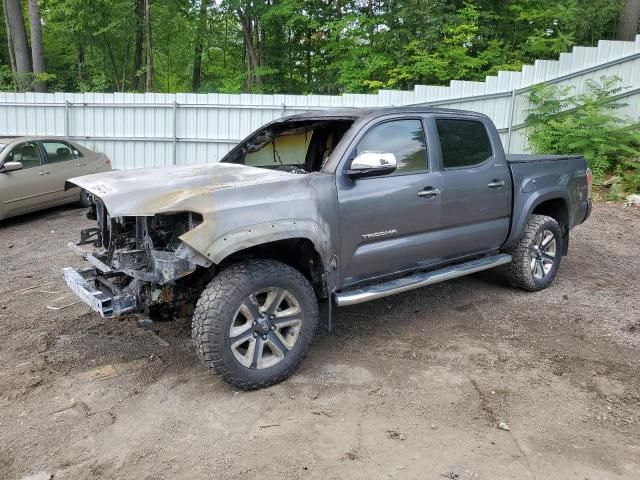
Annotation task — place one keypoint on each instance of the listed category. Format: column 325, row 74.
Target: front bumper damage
column 119, row 289
column 136, row 265
column 84, row 284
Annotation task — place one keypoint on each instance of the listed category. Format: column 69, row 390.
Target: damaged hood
column 241, row 206
column 149, row 191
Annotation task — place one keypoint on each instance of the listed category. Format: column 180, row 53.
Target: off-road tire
column 216, row 310
column 519, row 273
column 84, row 199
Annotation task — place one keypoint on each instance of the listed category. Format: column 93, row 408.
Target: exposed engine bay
column 138, row 260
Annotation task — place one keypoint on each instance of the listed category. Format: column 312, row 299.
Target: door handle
column 81, row 164
column 496, row 183
column 44, row 172
column 429, row 192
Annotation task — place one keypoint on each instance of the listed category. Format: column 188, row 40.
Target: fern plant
column 588, row 124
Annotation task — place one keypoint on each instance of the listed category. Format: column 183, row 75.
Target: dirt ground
column 413, row 386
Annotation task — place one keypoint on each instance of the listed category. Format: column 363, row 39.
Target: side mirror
column 370, row 164
column 11, row 166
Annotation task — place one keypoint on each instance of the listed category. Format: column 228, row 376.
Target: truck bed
column 560, row 176
column 525, row 158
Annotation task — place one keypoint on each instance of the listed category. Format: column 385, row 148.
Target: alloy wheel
column 543, row 254
column 265, row 328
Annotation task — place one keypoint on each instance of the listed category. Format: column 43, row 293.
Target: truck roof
column 358, row 112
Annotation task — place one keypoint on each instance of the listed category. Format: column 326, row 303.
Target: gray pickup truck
column 319, row 210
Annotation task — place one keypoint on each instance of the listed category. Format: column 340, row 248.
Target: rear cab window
column 464, row 143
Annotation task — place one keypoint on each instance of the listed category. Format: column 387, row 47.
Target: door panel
column 389, row 223
column 27, row 189
column 476, row 189
column 386, row 227
column 65, row 162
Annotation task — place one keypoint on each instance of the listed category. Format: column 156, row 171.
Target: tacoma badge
column 384, row 233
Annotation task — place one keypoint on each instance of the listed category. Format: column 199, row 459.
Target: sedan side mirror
column 369, row 164
column 11, row 166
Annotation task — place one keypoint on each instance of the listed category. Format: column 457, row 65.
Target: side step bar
column 417, row 280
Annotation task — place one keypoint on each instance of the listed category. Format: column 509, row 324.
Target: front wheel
column 536, row 256
column 254, row 322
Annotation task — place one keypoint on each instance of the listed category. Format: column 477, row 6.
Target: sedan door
column 28, row 189
column 389, row 223
column 65, row 162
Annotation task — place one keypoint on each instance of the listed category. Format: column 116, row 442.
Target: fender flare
column 535, row 199
column 258, row 234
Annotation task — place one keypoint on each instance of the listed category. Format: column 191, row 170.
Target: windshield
column 2, row 145
column 288, row 148
column 296, row 146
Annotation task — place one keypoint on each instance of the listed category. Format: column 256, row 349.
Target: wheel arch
column 299, row 252
column 553, row 203
column 556, row 208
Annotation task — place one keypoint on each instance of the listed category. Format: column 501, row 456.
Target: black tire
column 528, row 257
column 84, row 198
column 223, row 302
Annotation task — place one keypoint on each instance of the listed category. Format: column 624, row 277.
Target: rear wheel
column 254, row 322
column 536, row 256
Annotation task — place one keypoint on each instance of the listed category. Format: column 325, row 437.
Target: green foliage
column 588, row 124
column 309, row 46
column 615, row 192
column 6, row 78
column 454, row 56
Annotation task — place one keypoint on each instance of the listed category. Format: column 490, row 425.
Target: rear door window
column 59, row 151
column 464, row 143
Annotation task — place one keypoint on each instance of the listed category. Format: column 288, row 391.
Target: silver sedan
column 33, row 172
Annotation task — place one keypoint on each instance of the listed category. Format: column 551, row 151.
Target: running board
column 417, row 280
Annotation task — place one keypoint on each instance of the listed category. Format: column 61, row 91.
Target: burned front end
column 136, row 263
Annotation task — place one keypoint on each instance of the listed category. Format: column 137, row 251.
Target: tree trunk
column 115, row 76
column 125, row 63
column 80, row 61
column 12, row 58
column 37, row 48
column 628, row 22
column 20, row 45
column 147, row 21
column 224, row 47
column 196, row 77
column 309, row 77
column 254, row 58
column 262, row 45
column 246, row 64
column 137, row 56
